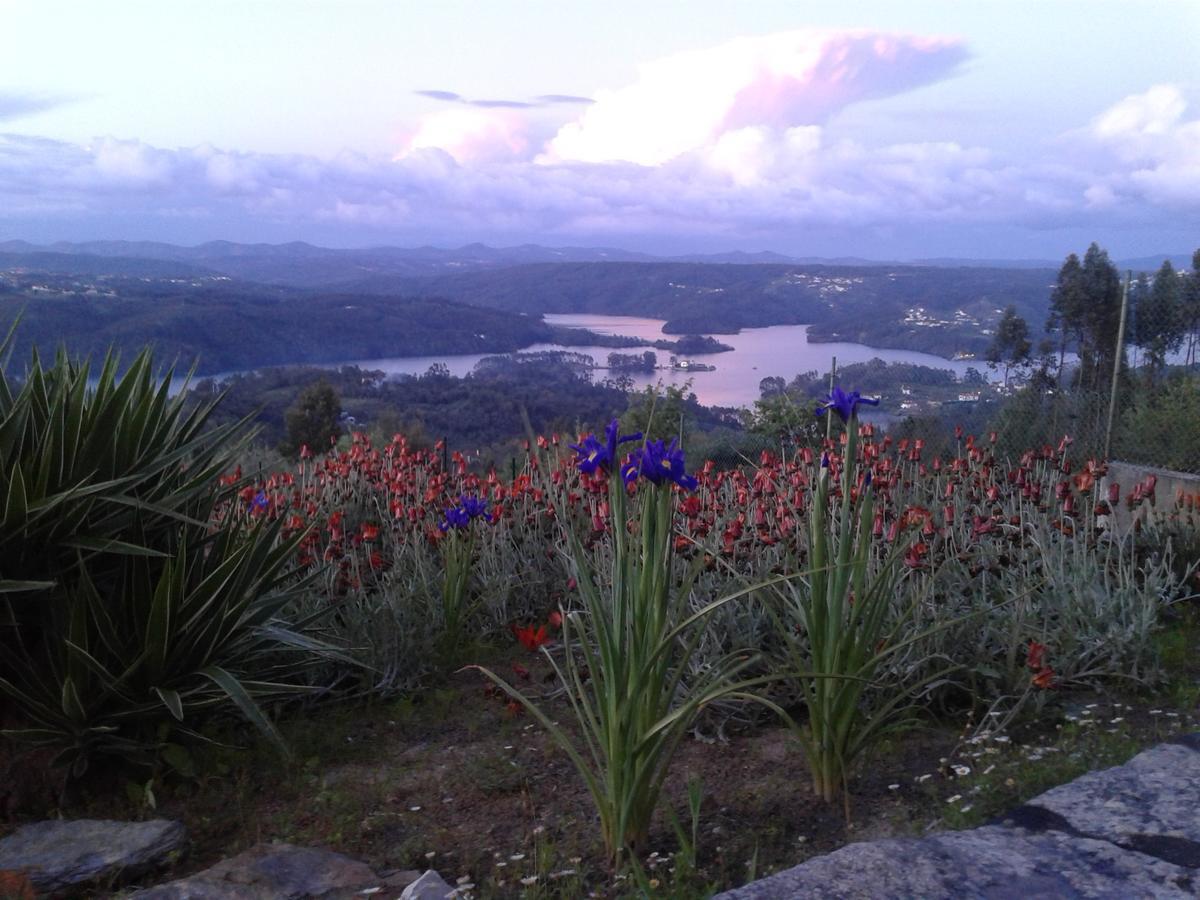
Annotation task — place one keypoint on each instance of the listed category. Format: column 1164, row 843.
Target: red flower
column 1044, row 678
column 531, row 638
column 915, row 557
column 370, row 531
column 520, row 671
column 915, row 516
column 555, row 619
column 1037, row 655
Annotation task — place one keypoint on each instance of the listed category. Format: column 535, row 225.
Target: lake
column 757, row 353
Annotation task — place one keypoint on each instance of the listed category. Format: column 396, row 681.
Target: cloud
column 564, row 99
column 502, row 104
column 471, row 134
column 15, row 104
column 539, row 101
column 1152, row 114
column 688, row 101
column 729, row 145
column 1144, row 149
column 440, row 95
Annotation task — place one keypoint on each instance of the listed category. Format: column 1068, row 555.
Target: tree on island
column 1011, row 346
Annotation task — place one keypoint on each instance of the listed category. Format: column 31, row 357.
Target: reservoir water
column 757, row 353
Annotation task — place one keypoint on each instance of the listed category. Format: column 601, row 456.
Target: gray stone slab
column 430, row 886
column 62, row 856
column 993, row 862
column 1151, row 803
column 273, row 872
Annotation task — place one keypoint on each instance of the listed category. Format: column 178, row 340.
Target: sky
column 887, row 130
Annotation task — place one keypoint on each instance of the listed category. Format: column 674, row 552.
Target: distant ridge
column 299, row 262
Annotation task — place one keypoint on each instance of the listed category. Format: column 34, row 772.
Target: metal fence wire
column 1134, row 397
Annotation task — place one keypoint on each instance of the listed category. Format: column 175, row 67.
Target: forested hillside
column 938, row 310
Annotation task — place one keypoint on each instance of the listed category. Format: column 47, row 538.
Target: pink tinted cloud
column 472, row 134
column 688, row 101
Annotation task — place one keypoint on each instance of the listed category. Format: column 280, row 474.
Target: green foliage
column 1159, row 318
column 1085, row 311
column 1010, row 346
column 662, row 412
column 838, row 626
column 780, row 417
column 625, row 666
column 483, row 410
column 872, row 301
column 236, row 326
column 127, row 618
column 1162, row 426
column 313, row 420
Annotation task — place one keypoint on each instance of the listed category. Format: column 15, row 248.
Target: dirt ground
column 462, row 783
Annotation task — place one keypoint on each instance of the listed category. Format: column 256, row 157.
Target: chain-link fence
column 1128, row 392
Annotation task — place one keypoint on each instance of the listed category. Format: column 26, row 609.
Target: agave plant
column 123, row 609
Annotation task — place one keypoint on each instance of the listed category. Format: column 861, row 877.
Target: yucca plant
column 169, row 641
column 122, row 609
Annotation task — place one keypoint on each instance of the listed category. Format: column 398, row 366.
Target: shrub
column 128, row 616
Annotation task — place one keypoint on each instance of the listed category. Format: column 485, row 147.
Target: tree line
column 1163, row 317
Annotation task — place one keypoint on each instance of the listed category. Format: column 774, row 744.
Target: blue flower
column 474, row 507
column 593, row 455
column 259, row 503
column 845, row 405
column 469, row 507
column 658, row 464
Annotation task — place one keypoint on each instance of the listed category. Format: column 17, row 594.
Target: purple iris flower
column 469, row 507
column 473, row 506
column 593, row 455
column 845, row 405
column 259, row 503
column 658, row 464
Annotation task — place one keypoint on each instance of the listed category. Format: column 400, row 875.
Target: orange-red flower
column 1044, row 678
column 531, row 638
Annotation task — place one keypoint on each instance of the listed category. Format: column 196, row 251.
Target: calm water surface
column 757, row 353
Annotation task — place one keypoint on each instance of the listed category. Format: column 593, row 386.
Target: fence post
column 1112, row 397
column 832, row 378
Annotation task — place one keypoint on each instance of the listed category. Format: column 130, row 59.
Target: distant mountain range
column 305, row 265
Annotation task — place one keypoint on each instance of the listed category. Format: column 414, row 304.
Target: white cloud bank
column 727, row 143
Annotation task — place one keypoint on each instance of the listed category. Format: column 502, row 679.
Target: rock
column 989, row 862
column 398, row 880
column 61, row 856
column 429, row 886
column 1129, row 831
column 273, row 872
column 1149, row 804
